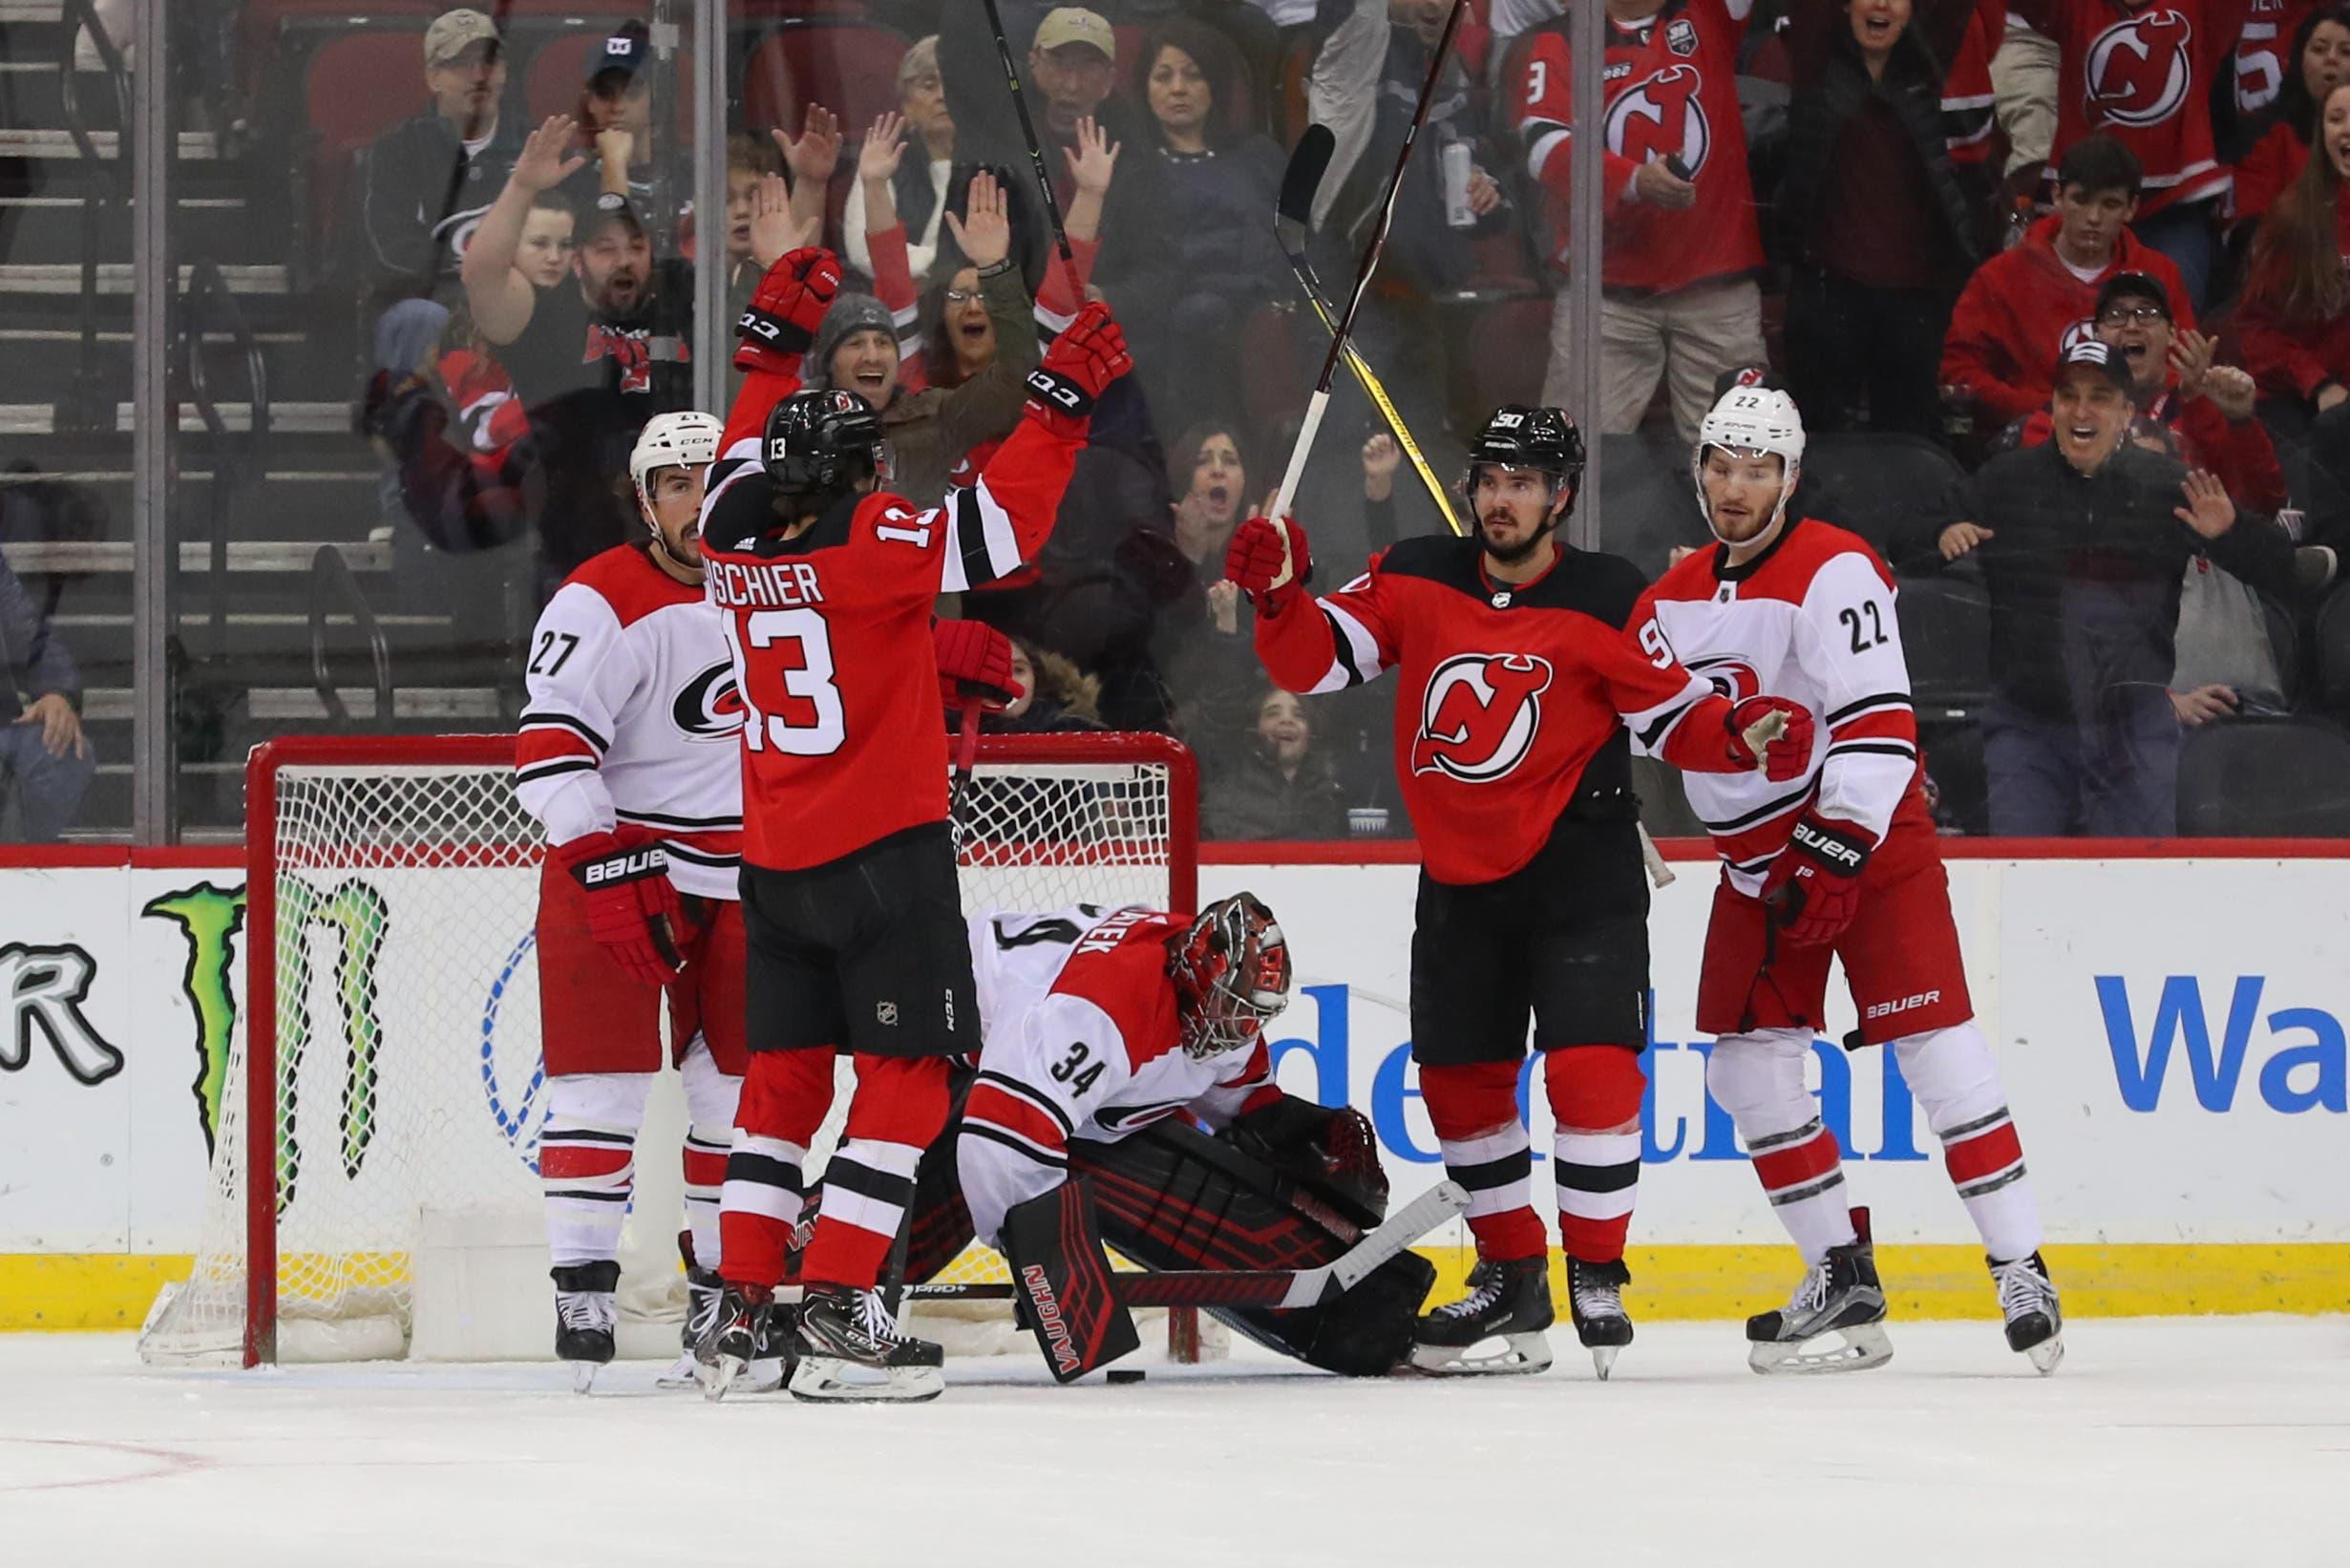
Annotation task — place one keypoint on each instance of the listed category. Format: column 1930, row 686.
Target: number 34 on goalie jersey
column 844, row 742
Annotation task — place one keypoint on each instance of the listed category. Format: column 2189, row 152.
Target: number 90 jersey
column 1079, row 1021
column 844, row 740
column 1810, row 618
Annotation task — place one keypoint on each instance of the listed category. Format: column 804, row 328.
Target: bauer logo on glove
column 650, row 861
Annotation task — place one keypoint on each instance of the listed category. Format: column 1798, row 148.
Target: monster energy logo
column 357, row 916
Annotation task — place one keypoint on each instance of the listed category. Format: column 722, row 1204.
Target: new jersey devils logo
column 2139, row 72
column 1660, row 117
column 2079, row 331
column 1479, row 715
column 711, row 707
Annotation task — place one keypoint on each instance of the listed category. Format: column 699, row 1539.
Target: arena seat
column 850, row 68
column 1508, row 348
column 1946, row 638
column 2332, row 639
column 1881, row 481
column 1646, row 506
column 2265, row 778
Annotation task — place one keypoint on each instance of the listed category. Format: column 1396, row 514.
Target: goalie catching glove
column 780, row 323
column 1083, row 361
column 632, row 907
column 1814, row 885
column 975, row 663
column 1255, row 558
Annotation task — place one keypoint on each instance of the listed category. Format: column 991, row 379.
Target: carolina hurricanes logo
column 711, row 707
column 1479, row 715
column 1660, row 117
column 2139, row 72
column 1731, row 676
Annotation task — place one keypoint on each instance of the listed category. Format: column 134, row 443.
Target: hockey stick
column 1036, row 151
column 1281, row 1289
column 1292, row 217
column 1320, row 403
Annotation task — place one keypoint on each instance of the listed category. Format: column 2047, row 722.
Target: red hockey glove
column 1814, row 885
column 1083, row 361
column 1782, row 757
column 632, row 909
column 1254, row 560
column 781, row 321
column 975, row 661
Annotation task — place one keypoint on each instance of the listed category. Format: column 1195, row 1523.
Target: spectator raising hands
column 920, row 186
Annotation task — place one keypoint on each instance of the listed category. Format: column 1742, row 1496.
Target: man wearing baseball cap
column 430, row 179
column 2083, row 542
column 1070, row 70
column 616, row 111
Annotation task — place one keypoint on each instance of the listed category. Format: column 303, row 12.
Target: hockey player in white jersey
column 627, row 755
column 1842, row 863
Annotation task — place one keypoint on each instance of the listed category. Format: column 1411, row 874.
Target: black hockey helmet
column 822, row 444
column 1540, row 438
column 1230, row 972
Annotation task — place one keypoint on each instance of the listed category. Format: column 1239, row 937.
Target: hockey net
column 386, row 1068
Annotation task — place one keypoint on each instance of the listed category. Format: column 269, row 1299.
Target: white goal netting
column 391, row 1000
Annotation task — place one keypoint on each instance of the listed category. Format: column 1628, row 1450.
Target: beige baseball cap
column 454, row 31
column 1076, row 25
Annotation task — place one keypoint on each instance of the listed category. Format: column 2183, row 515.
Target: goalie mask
column 1752, row 421
column 823, row 444
column 1230, row 972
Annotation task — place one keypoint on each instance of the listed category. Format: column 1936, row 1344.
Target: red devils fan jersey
column 1671, row 91
column 2143, row 74
column 1969, row 107
column 2261, row 50
column 1079, row 1020
column 1514, row 699
column 846, row 741
column 1810, row 618
column 632, row 718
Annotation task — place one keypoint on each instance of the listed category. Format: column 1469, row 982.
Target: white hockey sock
column 1955, row 1077
column 710, row 1097
column 1759, row 1080
column 588, row 1161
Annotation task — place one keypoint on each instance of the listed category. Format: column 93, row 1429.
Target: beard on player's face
column 1515, row 508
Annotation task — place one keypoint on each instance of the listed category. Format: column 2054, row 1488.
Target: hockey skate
column 2035, row 1322
column 585, row 1311
column 705, row 1296
column 749, row 1350
column 1840, row 1296
column 1507, row 1300
column 848, row 1348
column 1595, row 1300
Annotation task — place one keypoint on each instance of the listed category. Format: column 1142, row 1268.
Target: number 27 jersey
column 844, row 742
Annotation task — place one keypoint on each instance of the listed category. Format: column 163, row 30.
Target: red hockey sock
column 1474, row 1107
column 898, row 1111
column 1594, row 1095
column 785, row 1096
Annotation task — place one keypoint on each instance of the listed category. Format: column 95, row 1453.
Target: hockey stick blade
column 1446, row 1201
column 1292, row 210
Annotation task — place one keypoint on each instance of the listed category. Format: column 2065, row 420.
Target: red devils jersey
column 2260, row 49
column 1514, row 698
column 845, row 742
column 1969, row 107
column 1671, row 86
column 2142, row 73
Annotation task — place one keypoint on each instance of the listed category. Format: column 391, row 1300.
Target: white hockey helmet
column 687, row 439
column 1751, row 419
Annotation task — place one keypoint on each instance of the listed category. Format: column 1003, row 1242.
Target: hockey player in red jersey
column 1840, row 861
column 1519, row 681
column 849, row 905
column 627, row 756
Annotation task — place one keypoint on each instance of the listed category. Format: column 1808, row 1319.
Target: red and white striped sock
column 588, row 1161
column 1758, row 1078
column 1955, row 1077
column 1594, row 1096
column 1474, row 1107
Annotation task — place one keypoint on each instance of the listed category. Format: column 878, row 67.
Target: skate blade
column 1856, row 1349
column 1519, row 1354
column 1603, row 1359
column 826, row 1380
column 685, row 1372
column 583, row 1375
column 2048, row 1354
column 717, row 1377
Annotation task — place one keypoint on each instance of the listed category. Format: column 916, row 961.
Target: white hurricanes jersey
column 1811, row 619
column 633, row 718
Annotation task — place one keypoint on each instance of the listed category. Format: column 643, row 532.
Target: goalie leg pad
column 1063, row 1279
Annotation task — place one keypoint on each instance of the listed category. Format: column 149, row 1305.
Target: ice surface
column 2202, row 1442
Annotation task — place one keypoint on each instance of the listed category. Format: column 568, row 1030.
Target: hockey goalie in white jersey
column 1842, row 863
column 1126, row 1058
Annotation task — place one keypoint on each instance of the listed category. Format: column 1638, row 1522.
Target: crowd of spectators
column 1915, row 212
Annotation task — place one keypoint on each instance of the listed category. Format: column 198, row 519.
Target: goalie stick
column 1281, row 1289
column 1292, row 218
column 1320, row 403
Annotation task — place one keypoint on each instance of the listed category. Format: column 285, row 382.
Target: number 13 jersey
column 1810, row 618
column 844, row 742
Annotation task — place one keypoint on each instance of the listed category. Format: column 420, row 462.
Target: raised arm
column 989, row 404
column 775, row 334
column 1306, row 644
column 500, row 298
